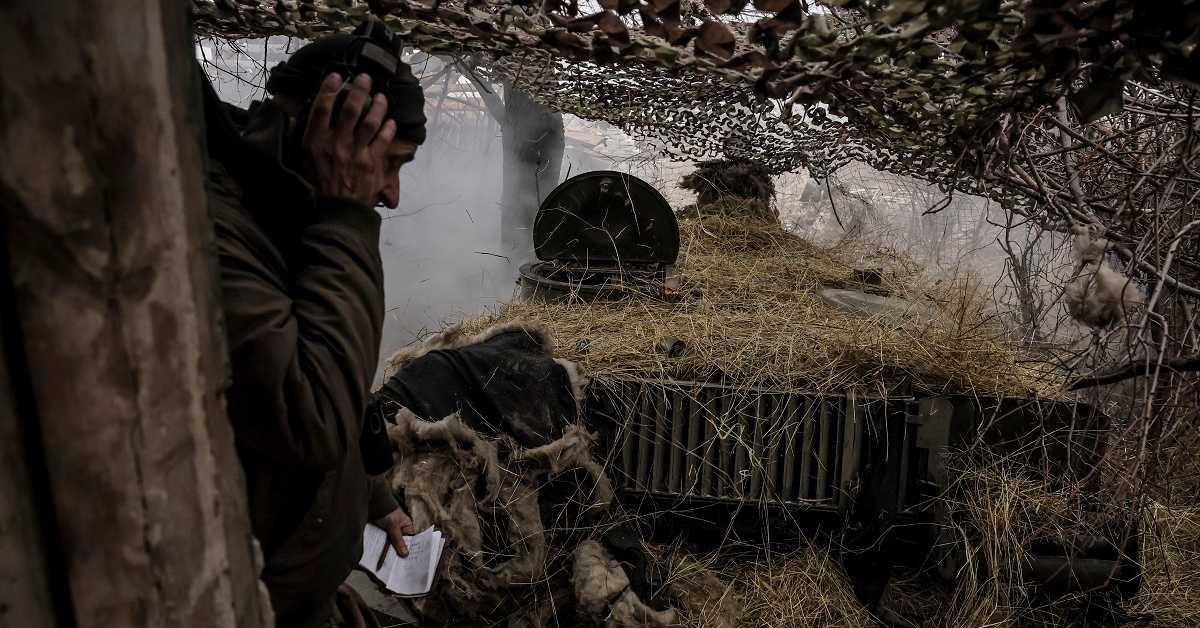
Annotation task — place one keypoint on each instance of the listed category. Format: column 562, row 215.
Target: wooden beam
column 28, row 596
column 111, row 266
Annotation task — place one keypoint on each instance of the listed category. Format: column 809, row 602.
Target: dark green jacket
column 302, row 285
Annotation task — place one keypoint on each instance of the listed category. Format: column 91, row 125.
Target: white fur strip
column 454, row 338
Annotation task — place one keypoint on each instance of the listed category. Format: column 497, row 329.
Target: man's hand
column 346, row 157
column 396, row 524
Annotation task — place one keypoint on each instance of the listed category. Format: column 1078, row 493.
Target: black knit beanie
column 371, row 49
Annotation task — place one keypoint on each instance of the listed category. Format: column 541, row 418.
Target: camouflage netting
column 923, row 86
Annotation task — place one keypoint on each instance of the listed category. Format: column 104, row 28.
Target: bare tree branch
column 486, row 92
column 1179, row 365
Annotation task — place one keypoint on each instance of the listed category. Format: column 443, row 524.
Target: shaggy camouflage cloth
column 716, row 178
column 526, row 533
column 731, row 186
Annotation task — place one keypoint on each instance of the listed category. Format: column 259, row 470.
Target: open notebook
column 411, row 576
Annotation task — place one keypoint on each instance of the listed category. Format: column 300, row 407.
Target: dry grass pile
column 758, row 320
column 1171, row 560
column 1000, row 512
column 737, row 208
column 1003, row 511
column 806, row 587
column 691, row 584
column 996, row 513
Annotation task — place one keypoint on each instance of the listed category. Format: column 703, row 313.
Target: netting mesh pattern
column 925, row 89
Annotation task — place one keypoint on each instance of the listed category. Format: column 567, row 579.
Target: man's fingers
column 406, row 524
column 400, row 545
column 366, row 130
column 322, row 107
column 403, row 525
column 383, row 140
column 395, row 532
column 352, row 107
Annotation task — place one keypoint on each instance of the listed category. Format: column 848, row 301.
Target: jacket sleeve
column 304, row 319
column 381, row 499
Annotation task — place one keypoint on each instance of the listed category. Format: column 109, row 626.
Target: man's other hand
column 396, row 524
column 348, row 156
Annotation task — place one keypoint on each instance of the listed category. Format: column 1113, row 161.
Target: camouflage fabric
column 968, row 94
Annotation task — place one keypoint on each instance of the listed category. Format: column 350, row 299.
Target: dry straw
column 751, row 314
column 1000, row 512
column 805, row 587
column 1171, row 560
column 995, row 512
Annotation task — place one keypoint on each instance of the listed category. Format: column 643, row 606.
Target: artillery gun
column 716, row 455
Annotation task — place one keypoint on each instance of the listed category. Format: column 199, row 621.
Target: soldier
column 292, row 194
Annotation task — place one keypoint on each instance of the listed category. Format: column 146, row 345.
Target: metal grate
column 717, row 442
column 693, row 440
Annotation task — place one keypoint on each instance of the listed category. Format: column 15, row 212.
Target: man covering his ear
column 293, row 184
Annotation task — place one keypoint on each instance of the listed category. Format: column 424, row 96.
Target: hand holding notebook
column 411, row 576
